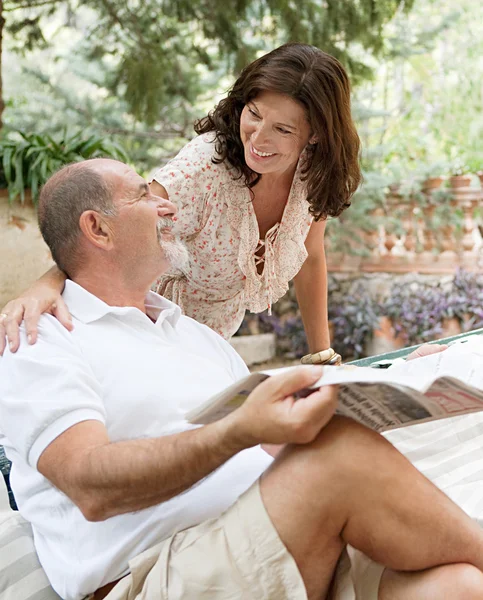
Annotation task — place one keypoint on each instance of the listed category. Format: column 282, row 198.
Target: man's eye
column 282, row 130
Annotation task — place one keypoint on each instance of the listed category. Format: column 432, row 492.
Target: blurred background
column 127, row 78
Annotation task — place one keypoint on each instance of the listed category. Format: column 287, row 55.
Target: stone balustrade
column 416, row 238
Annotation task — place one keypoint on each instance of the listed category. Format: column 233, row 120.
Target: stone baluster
column 377, row 236
column 428, row 239
column 409, row 224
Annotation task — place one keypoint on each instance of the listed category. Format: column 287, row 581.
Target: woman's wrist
column 55, row 275
column 324, row 357
column 54, row 279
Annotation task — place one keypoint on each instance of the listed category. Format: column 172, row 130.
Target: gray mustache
column 164, row 223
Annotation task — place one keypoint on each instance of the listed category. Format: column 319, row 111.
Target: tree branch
column 133, row 28
column 31, row 5
column 166, row 134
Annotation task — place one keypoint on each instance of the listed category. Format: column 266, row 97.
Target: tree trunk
column 2, row 103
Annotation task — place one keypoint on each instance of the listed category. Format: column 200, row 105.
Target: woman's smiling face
column 274, row 131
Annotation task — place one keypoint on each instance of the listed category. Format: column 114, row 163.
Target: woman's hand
column 426, row 350
column 43, row 297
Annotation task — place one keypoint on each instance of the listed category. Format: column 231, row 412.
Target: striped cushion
column 21, row 576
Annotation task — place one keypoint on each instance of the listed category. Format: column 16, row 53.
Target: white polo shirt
column 138, row 378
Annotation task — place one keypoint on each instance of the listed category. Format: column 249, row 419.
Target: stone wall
column 23, row 254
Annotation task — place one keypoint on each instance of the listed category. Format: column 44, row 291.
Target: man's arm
column 105, row 479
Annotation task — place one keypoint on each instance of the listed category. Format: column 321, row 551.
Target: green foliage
column 348, row 233
column 432, row 170
column 459, row 167
column 29, row 159
column 159, row 50
column 475, row 162
column 76, row 98
column 426, row 99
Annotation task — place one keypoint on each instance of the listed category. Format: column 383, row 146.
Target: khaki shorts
column 237, row 556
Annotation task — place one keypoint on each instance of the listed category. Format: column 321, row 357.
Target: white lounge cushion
column 21, row 576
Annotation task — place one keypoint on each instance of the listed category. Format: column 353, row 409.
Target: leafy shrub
column 27, row 160
column 417, row 311
column 354, row 317
column 465, row 302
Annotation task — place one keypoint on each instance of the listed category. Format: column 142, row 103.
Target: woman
column 274, row 159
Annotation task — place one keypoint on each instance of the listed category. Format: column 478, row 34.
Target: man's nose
column 166, row 208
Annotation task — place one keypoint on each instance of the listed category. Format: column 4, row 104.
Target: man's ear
column 96, row 229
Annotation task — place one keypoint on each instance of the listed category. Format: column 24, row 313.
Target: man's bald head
column 88, row 185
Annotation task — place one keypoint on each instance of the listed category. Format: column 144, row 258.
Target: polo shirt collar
column 86, row 307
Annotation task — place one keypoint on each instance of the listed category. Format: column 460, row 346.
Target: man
column 118, row 486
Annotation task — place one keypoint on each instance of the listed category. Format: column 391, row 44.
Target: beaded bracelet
column 324, row 357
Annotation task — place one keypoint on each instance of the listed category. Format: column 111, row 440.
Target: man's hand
column 271, row 414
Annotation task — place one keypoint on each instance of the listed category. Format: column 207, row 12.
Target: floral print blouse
column 217, row 222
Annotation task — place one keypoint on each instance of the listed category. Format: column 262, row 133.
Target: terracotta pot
column 432, row 183
column 459, row 181
column 451, row 326
column 480, row 177
column 384, row 339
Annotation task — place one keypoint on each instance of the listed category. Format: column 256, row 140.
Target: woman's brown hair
column 320, row 84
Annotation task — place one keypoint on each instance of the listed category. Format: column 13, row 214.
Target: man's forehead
column 134, row 182
column 127, row 182
column 116, row 168
column 129, row 190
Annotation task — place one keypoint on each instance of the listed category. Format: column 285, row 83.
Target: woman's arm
column 44, row 296
column 158, row 189
column 311, row 290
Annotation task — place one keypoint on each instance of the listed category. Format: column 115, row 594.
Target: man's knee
column 342, row 456
column 341, row 461
column 347, row 447
column 348, row 435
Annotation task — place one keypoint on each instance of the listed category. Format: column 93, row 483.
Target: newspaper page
column 230, row 398
column 227, row 401
column 445, row 384
column 387, row 406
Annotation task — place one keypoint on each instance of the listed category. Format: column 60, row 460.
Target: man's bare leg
column 447, row 582
column 350, row 486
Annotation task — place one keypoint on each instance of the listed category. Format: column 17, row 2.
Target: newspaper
column 441, row 385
